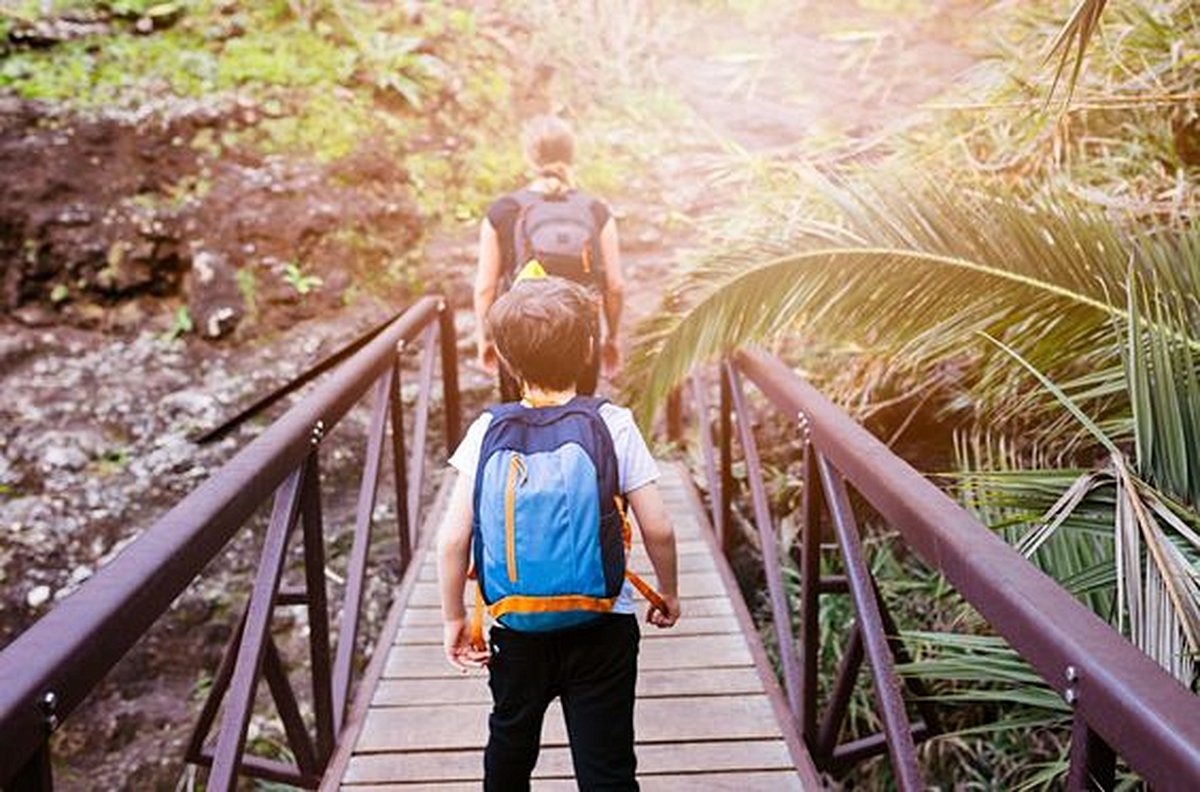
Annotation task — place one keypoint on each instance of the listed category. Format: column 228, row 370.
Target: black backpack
column 559, row 231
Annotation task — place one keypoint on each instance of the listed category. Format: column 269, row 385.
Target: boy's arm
column 453, row 556
column 659, row 538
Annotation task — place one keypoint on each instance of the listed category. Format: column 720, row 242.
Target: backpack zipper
column 516, row 467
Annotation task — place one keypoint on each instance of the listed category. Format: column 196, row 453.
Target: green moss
column 324, row 127
column 270, row 58
column 120, row 72
column 247, row 285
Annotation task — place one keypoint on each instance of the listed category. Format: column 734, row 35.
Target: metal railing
column 1123, row 703
column 52, row 667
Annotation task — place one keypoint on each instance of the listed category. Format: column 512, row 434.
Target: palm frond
column 1075, row 35
column 1158, row 586
column 917, row 273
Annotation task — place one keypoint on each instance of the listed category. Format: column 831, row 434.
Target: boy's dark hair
column 545, row 331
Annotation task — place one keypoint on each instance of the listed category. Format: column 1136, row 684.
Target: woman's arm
column 659, row 538
column 487, row 281
column 614, row 295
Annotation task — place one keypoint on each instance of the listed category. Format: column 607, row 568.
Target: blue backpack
column 550, row 536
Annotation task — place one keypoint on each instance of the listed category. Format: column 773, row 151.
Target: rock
column 37, row 596
column 89, row 315
column 8, row 473
column 63, row 457
column 130, row 267
column 65, row 450
column 127, row 317
column 190, row 408
column 35, row 315
column 214, row 299
column 49, row 32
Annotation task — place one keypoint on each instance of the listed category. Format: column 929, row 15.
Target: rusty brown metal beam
column 343, row 664
column 1131, row 703
column 66, row 653
column 871, row 629
column 450, row 391
column 781, row 611
column 247, row 668
column 400, row 470
column 812, row 585
column 317, row 603
column 712, row 479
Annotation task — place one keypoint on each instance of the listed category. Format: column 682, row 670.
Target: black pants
column 593, row 669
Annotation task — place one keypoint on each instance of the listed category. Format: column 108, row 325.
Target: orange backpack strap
column 477, row 642
column 653, row 597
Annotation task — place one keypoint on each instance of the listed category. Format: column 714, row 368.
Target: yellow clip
column 532, row 270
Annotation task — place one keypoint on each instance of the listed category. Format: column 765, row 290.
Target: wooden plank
column 356, row 717
column 464, row 726
column 770, row 781
column 686, row 651
column 806, row 769
column 655, row 759
column 472, row 688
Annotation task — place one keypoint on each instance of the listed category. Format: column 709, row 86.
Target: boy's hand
column 661, row 618
column 457, row 644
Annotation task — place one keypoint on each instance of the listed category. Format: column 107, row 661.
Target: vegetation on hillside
column 1019, row 267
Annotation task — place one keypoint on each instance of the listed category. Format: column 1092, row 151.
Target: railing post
column 839, row 699
column 712, row 477
column 781, row 613
column 451, row 397
column 400, row 465
column 1093, row 764
column 675, row 416
column 231, row 739
column 416, row 472
column 357, row 565
column 725, row 495
column 810, row 590
column 870, row 624
column 35, row 775
column 318, row 609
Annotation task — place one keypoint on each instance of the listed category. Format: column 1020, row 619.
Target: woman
column 505, row 236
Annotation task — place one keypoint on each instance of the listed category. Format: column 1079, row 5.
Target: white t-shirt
column 635, row 466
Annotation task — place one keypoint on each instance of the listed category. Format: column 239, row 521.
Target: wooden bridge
column 709, row 715
column 710, row 712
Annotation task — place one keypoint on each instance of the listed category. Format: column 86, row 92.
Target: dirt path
column 812, row 82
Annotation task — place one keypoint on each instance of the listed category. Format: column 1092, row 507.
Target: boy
column 544, row 332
